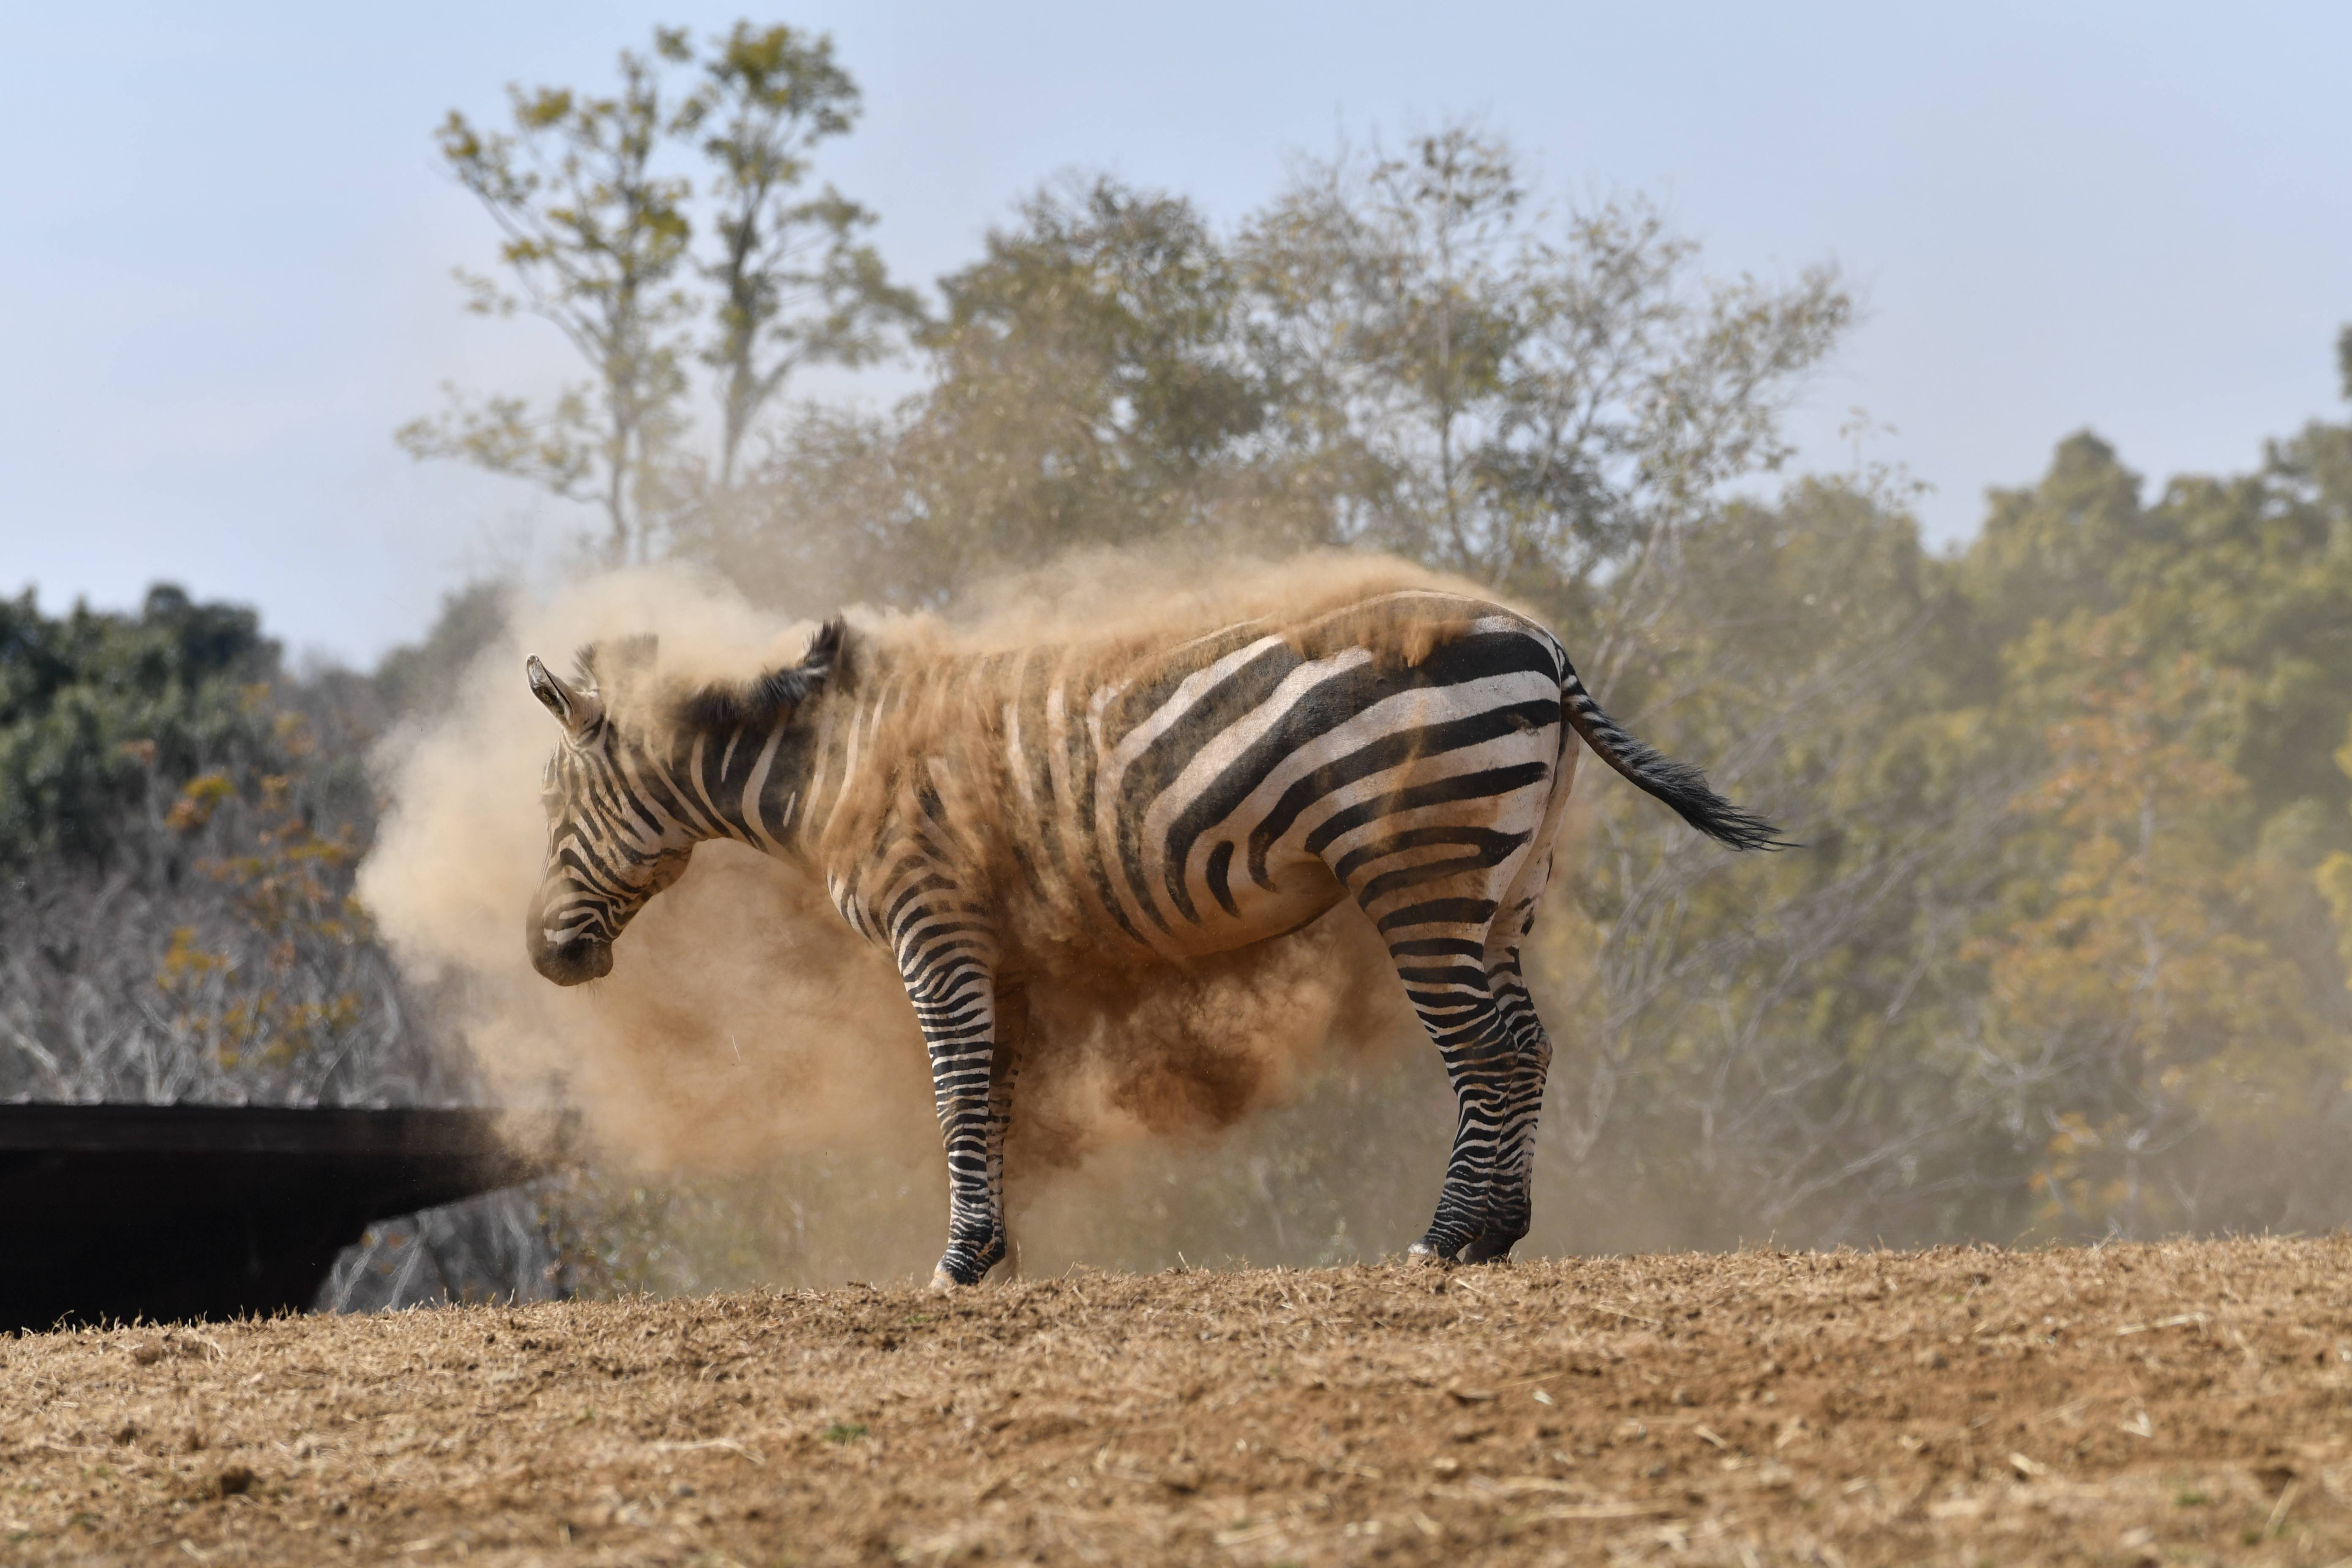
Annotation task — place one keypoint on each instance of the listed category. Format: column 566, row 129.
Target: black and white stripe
column 979, row 814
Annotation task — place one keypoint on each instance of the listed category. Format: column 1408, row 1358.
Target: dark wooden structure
column 168, row 1212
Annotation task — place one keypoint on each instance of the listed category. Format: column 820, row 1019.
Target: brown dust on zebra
column 996, row 819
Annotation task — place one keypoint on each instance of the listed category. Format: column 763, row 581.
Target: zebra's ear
column 576, row 711
column 826, row 649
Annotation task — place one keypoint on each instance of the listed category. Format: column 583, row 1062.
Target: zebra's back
column 1223, row 791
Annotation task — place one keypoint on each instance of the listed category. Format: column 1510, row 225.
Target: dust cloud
column 743, row 1022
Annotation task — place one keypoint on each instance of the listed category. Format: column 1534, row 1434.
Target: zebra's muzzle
column 571, row 963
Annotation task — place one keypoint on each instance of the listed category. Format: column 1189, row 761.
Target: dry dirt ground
column 2181, row 1403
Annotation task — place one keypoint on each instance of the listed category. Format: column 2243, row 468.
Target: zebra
column 990, row 817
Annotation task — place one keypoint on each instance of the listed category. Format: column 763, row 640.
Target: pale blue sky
column 225, row 244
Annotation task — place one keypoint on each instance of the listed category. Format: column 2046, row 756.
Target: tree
column 178, row 824
column 2136, row 1003
column 794, row 285
column 103, row 716
column 1767, row 1044
column 1530, row 404
column 1399, row 352
column 1089, row 387
column 2250, row 573
column 594, row 235
column 598, row 210
column 2049, row 552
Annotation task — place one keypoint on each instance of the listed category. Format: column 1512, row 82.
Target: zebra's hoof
column 1421, row 1252
column 942, row 1281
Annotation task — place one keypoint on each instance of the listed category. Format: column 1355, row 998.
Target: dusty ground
column 2184, row 1403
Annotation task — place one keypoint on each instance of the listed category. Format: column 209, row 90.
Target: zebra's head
column 610, row 846
column 620, row 825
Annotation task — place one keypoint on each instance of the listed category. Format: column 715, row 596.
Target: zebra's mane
column 765, row 699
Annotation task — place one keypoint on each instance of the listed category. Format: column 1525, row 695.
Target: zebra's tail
column 1679, row 784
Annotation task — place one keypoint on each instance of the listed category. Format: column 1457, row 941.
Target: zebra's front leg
column 1012, row 1034
column 951, row 981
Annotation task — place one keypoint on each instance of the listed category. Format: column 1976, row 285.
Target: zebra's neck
column 745, row 782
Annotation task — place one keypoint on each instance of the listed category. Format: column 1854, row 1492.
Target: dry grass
column 2189, row 1401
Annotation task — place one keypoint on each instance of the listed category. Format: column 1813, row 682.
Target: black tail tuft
column 1679, row 784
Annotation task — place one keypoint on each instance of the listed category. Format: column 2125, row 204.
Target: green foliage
column 2251, row 574
column 2078, row 801
column 1523, row 397
column 2163, row 976
column 2046, row 554
column 179, row 826
column 1404, row 353
column 103, row 717
column 1089, row 356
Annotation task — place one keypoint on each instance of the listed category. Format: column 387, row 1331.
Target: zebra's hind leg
column 1438, row 940
column 1510, row 1190
column 1456, row 1002
column 1452, row 899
